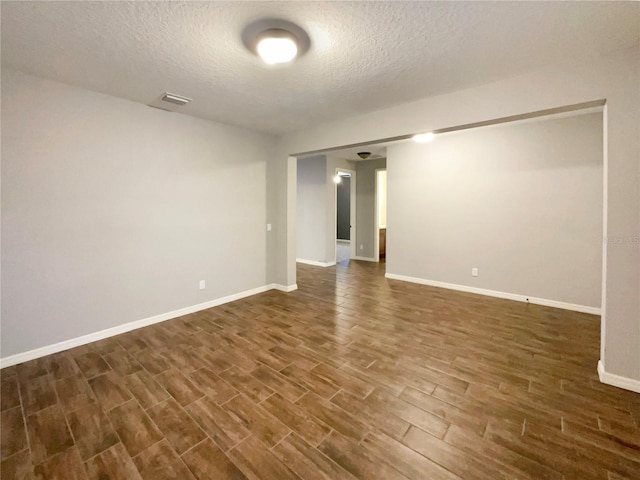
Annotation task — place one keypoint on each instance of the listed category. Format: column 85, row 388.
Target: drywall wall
column 312, row 208
column 613, row 78
column 382, row 198
column 366, row 206
column 522, row 203
column 343, row 207
column 113, row 211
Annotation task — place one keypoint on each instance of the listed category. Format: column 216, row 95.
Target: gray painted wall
column 113, row 211
column 316, row 207
column 523, row 203
column 365, row 206
column 312, row 208
column 343, row 218
column 614, row 77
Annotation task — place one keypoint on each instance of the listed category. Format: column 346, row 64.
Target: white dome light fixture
column 277, row 46
column 277, row 42
column 423, row 137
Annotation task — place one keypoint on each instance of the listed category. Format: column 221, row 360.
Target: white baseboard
column 284, row 288
column 344, row 242
column 494, row 293
column 314, row 263
column 617, row 380
column 366, row 259
column 127, row 327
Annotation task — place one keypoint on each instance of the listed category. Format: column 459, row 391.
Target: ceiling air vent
column 175, row 99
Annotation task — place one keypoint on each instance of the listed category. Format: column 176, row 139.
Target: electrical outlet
column 361, row 247
column 474, row 272
column 202, row 284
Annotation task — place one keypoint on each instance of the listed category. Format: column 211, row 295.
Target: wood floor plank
column 223, row 429
column 121, row 362
column 444, row 410
column 264, row 426
column 32, row 369
column 178, row 427
column 145, row 389
column 402, row 458
column 207, row 462
column 160, row 462
column 212, row 385
column 136, row 430
column 350, row 376
column 245, row 383
column 64, row 466
column 61, row 365
column 408, row 412
column 110, row 390
column 38, row 393
column 355, row 459
column 74, row 392
column 12, row 431
column 297, row 419
column 112, row 464
column 308, row 462
column 91, row 364
column 91, row 430
column 48, row 434
column 10, row 396
column 256, row 461
column 279, row 383
column 17, row 467
column 334, row 416
column 449, row 457
column 179, row 386
column 381, row 420
column 154, row 362
column 504, row 459
column 310, row 381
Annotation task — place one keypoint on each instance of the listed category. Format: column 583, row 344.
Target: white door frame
column 376, row 226
column 352, row 212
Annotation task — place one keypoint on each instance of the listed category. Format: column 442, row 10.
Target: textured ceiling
column 363, row 56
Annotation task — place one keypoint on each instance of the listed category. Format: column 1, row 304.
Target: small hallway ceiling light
column 277, row 46
column 275, row 41
column 337, row 178
column 423, row 137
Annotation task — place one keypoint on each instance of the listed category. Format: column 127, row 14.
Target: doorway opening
column 380, row 232
column 345, row 189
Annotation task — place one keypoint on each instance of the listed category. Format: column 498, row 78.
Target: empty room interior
column 320, row 240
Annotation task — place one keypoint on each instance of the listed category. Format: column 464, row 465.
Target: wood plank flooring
column 351, row 377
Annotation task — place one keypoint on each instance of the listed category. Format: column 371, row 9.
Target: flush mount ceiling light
column 423, row 137
column 275, row 41
column 364, row 155
column 277, row 46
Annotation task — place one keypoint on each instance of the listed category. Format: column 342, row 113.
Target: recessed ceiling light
column 275, row 41
column 277, row 46
column 423, row 137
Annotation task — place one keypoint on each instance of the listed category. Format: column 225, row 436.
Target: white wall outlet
column 268, row 227
column 361, row 247
column 202, row 284
column 474, row 272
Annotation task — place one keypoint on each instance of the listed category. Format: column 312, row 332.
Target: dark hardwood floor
column 351, row 376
